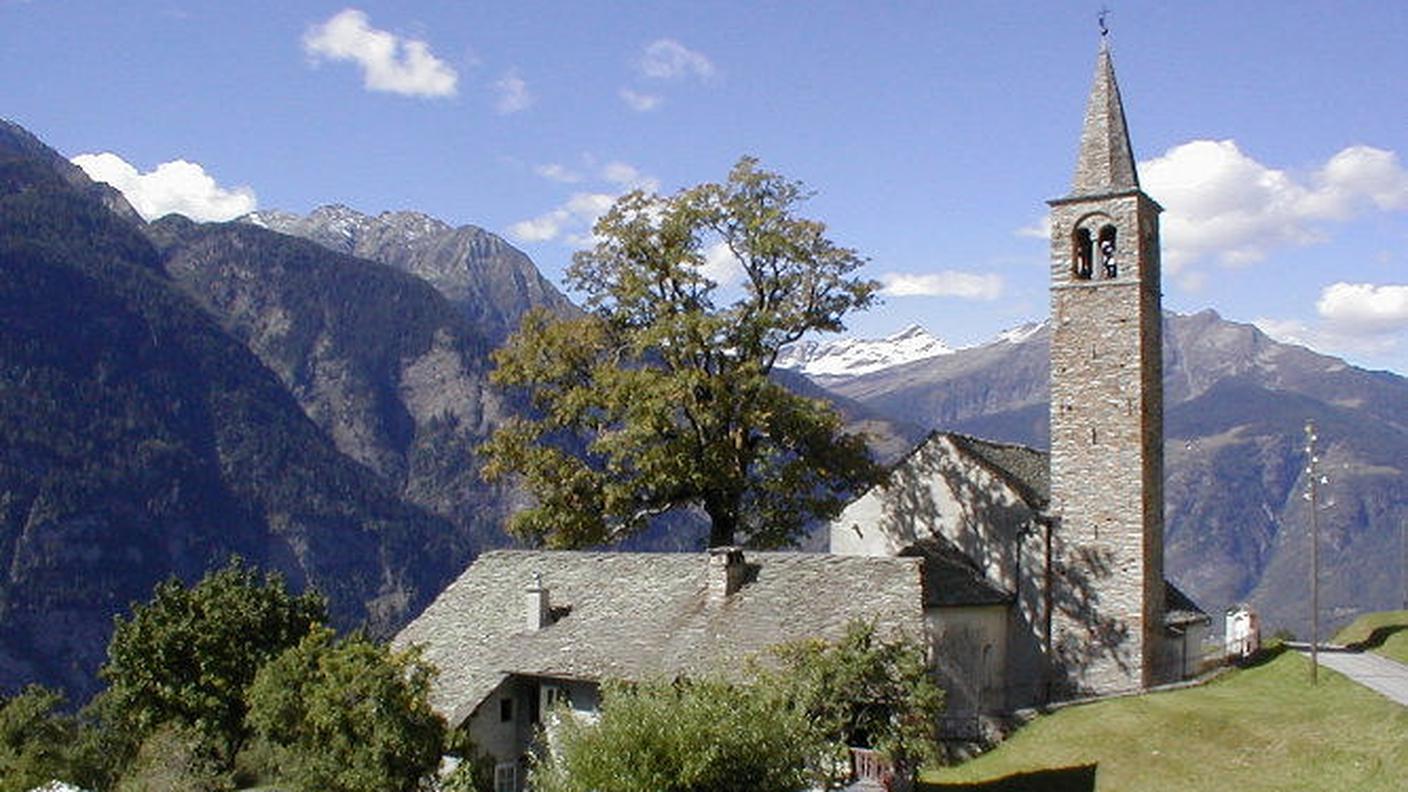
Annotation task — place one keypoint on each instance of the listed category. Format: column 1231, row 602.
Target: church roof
column 1026, row 470
column 952, row 578
column 1180, row 609
column 640, row 615
column 1106, row 161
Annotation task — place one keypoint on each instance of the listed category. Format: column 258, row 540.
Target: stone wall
column 1106, row 444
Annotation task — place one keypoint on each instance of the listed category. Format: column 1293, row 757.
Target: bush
column 34, row 739
column 175, row 758
column 693, row 736
column 348, row 716
column 187, row 656
column 861, row 691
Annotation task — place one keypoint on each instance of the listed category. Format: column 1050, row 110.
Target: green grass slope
column 1261, row 728
column 1385, row 633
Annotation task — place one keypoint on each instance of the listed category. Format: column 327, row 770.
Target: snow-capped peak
column 850, row 357
column 1017, row 335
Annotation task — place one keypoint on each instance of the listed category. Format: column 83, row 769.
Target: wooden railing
column 871, row 768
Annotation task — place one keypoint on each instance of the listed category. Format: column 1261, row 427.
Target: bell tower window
column 1083, row 260
column 1109, row 267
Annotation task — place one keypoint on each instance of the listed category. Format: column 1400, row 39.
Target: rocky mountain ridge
column 492, row 282
column 139, row 439
column 1236, row 402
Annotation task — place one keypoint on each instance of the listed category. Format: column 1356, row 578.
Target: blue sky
column 1273, row 132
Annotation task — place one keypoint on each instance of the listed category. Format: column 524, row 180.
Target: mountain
column 1236, row 404
column 850, row 357
column 489, row 280
column 140, row 439
column 393, row 372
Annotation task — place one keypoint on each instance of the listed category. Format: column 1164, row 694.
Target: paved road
column 1376, row 672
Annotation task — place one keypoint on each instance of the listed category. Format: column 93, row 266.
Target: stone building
column 1030, row 576
column 521, row 630
column 1075, row 536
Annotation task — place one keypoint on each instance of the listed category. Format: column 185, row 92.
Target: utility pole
column 1312, row 494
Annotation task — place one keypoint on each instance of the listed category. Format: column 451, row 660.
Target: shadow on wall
column 1080, row 778
column 1090, row 634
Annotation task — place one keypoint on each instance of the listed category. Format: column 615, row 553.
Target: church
column 1030, row 577
column 1074, row 537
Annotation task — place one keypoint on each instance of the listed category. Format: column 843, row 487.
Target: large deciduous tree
column 659, row 396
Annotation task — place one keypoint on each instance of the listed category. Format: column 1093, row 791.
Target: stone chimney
column 725, row 574
column 537, row 607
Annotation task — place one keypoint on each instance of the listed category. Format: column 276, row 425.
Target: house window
column 551, row 696
column 505, row 710
column 506, row 777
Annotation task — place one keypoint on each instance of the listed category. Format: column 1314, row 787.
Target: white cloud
column 539, row 229
column 638, row 101
column 1041, row 229
column 389, row 62
column 628, row 177
column 667, row 59
column 1222, row 204
column 587, row 207
column 1378, row 349
column 177, row 186
column 1360, row 321
column 1364, row 308
column 721, row 266
column 558, row 173
column 964, row 285
column 513, row 94
column 572, row 220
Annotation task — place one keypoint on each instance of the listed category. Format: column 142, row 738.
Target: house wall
column 509, row 740
column 1243, row 633
column 969, row 647
column 1196, row 638
column 504, row 740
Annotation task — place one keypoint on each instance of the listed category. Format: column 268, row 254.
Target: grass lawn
column 1385, row 633
column 1261, row 728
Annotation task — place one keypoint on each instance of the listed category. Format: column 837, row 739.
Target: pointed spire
column 1106, row 162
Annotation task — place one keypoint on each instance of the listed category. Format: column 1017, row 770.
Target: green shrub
column 694, row 736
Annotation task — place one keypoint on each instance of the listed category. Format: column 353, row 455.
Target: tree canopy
column 349, row 715
column 187, row 656
column 659, row 397
column 861, row 691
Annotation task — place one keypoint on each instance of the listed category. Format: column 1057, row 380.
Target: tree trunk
column 723, row 520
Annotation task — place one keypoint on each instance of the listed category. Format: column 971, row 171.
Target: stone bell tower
column 1106, row 412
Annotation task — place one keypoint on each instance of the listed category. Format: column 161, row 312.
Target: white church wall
column 939, row 491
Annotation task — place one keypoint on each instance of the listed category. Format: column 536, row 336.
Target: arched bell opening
column 1109, row 267
column 1082, row 254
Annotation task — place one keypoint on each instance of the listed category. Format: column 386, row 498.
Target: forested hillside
column 142, row 440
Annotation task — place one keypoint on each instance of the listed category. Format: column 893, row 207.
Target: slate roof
column 1180, row 609
column 1106, row 162
column 951, row 577
column 642, row 615
column 1027, row 470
